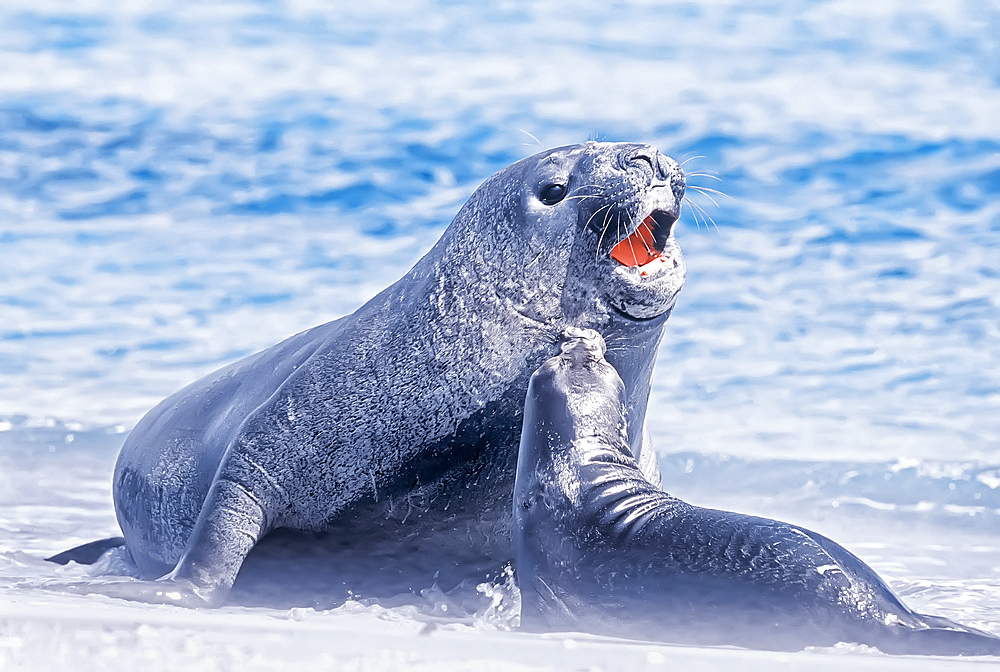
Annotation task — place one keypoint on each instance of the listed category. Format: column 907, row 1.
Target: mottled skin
column 598, row 548
column 401, row 421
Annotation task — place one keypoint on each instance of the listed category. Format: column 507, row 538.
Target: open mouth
column 644, row 248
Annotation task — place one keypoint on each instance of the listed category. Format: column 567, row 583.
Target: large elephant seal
column 401, row 421
column 598, row 548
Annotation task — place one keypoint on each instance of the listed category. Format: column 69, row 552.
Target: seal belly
column 168, row 462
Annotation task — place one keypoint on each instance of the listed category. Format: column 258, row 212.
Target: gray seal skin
column 600, row 549
column 399, row 424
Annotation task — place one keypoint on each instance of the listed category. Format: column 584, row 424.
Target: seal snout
column 648, row 158
column 660, row 170
column 583, row 342
column 645, row 246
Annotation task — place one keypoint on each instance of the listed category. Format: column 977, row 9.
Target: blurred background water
column 183, row 184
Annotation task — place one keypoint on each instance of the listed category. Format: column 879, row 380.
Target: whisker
column 691, row 158
column 607, row 225
column 708, row 196
column 587, row 186
column 600, row 241
column 597, row 211
column 704, row 214
column 532, row 137
column 629, row 239
column 698, row 220
column 708, row 189
column 604, row 228
column 618, row 232
column 694, row 216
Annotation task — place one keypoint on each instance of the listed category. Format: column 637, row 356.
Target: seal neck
column 632, row 349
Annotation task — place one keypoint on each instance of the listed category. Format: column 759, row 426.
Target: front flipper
column 232, row 521
column 162, row 591
column 649, row 465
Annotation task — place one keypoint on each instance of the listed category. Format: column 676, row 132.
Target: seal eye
column 552, row 194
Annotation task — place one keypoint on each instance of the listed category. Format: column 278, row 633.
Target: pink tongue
column 637, row 249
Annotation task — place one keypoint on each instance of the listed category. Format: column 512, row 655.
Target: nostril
column 648, row 157
column 640, row 157
column 644, row 157
column 662, row 166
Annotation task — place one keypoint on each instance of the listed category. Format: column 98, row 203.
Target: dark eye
column 552, row 194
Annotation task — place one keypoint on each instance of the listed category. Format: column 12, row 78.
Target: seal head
column 620, row 206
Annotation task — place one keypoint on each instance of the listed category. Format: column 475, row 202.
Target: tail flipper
column 943, row 637
column 88, row 553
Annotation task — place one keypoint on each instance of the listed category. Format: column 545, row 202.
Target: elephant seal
column 598, row 548
column 400, row 422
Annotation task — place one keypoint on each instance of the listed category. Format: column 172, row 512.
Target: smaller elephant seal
column 600, row 549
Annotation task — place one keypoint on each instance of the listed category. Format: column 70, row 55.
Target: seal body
column 600, row 549
column 401, row 421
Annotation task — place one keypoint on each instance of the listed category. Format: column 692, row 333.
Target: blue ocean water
column 183, row 184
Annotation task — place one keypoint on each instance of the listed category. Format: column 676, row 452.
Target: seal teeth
column 639, row 248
